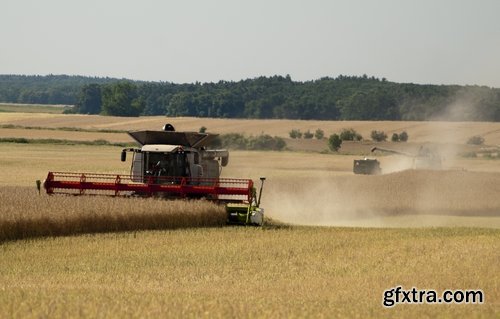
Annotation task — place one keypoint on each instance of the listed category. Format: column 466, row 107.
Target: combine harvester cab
column 170, row 165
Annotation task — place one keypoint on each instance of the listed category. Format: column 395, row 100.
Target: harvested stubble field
column 274, row 271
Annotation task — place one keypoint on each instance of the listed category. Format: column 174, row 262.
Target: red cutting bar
column 57, row 182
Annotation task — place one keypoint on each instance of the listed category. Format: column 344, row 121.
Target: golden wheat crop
column 273, row 272
column 24, row 213
column 248, row 272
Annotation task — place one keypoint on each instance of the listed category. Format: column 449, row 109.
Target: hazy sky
column 420, row 41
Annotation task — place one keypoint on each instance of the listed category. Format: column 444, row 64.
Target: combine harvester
column 170, row 165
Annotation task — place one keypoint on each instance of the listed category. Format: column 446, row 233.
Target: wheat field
column 307, row 188
column 25, row 214
column 425, row 229
column 235, row 272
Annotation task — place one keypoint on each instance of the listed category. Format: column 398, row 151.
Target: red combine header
column 224, row 189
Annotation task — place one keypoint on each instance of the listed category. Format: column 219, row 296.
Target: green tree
column 350, row 135
column 266, row 142
column 295, row 133
column 403, row 136
column 395, row 137
column 308, row 134
column 378, row 136
column 319, row 134
column 89, row 99
column 181, row 104
column 376, row 103
column 334, row 142
column 121, row 99
column 475, row 140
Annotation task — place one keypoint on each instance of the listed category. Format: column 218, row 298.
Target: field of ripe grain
column 296, row 272
column 423, row 229
column 25, row 214
column 29, row 162
column 419, row 132
column 23, row 164
column 307, row 188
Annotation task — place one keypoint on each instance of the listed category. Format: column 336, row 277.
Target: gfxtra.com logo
column 398, row 295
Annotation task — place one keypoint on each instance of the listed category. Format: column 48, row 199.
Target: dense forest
column 340, row 98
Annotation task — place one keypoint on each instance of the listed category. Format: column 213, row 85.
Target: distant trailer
column 367, row 167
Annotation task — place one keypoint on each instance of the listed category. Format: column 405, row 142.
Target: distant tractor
column 367, row 166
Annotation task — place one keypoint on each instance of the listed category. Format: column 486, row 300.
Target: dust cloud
column 395, row 164
column 411, row 198
column 402, row 196
column 468, row 104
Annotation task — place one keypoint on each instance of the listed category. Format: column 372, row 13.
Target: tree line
column 340, row 98
column 49, row 89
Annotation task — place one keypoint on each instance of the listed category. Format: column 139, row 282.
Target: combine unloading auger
column 386, row 150
column 423, row 159
column 170, row 165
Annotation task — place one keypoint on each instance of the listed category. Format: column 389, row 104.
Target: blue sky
column 434, row 42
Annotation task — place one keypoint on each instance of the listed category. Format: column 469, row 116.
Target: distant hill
column 340, row 98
